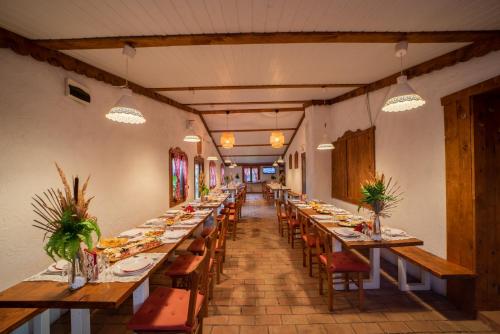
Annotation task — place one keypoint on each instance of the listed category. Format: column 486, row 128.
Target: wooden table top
column 49, row 294
column 277, row 187
column 358, row 244
column 212, row 205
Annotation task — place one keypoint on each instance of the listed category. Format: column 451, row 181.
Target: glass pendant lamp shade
column 212, row 159
column 125, row 110
column 402, row 97
column 277, row 139
column 280, row 160
column 325, row 143
column 227, row 140
column 191, row 136
column 275, row 164
column 227, row 161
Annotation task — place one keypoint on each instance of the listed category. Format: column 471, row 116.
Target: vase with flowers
column 381, row 197
column 63, row 215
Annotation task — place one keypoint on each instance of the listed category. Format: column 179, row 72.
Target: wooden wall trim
column 472, row 90
column 27, row 47
column 477, row 49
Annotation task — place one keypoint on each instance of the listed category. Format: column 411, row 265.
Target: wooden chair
column 170, row 310
column 184, row 264
column 344, row 262
column 293, row 225
column 234, row 218
column 220, row 247
column 282, row 216
column 308, row 235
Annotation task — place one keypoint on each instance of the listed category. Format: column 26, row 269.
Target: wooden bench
column 13, row 318
column 430, row 263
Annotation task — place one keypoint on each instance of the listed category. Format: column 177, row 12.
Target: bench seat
column 436, row 265
column 12, row 318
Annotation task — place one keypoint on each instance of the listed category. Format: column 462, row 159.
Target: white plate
column 155, row 221
column 175, row 234
column 118, row 272
column 133, row 264
column 394, row 232
column 172, row 212
column 131, row 233
column 345, row 232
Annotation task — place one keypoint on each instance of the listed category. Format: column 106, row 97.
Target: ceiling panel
column 253, row 137
column 252, row 160
column 253, row 150
column 44, row 19
column 209, row 107
column 253, row 121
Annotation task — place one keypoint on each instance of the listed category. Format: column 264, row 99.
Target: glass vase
column 376, row 229
column 76, row 272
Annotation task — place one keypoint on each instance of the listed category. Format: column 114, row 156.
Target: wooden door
column 303, row 171
column 486, row 109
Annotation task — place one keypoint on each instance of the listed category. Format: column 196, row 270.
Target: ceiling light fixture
column 125, row 110
column 191, row 137
column 212, row 159
column 277, row 138
column 227, row 138
column 280, row 161
column 402, row 96
column 227, row 161
column 275, row 164
column 325, row 143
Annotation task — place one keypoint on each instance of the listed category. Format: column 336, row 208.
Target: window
column 199, row 176
column 178, row 184
column 251, row 174
column 212, row 175
column 222, row 172
column 296, row 159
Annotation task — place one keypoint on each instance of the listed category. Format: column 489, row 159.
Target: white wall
column 294, row 175
column 409, row 148
column 39, row 125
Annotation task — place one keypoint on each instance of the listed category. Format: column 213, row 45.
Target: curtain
column 186, row 187
column 177, row 170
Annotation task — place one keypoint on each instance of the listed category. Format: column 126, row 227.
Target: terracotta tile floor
column 265, row 289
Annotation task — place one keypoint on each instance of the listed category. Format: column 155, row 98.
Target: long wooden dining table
column 373, row 282
column 279, row 190
column 50, row 294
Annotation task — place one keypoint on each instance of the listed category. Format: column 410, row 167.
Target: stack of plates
column 58, row 267
column 132, row 266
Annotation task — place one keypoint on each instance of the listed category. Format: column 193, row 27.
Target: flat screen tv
column 268, row 170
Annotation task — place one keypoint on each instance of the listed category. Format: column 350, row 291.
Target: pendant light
column 227, row 161
column 275, row 164
column 402, row 96
column 325, row 143
column 125, row 110
column 227, row 138
column 280, row 161
column 277, row 138
column 212, row 159
column 191, row 137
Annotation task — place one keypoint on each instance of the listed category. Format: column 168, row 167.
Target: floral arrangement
column 64, row 217
column 380, row 195
column 204, row 190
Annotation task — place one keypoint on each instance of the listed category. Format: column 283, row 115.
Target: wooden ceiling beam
column 211, row 137
column 253, row 145
column 248, row 111
column 254, row 130
column 245, row 103
column 25, row 47
column 251, row 155
column 268, row 38
column 463, row 54
column 290, row 86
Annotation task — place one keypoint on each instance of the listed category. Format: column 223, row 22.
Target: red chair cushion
column 345, row 261
column 206, row 231
column 293, row 222
column 284, row 216
column 310, row 240
column 183, row 265
column 166, row 309
column 231, row 217
column 197, row 246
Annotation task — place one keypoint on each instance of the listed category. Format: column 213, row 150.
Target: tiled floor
column 265, row 289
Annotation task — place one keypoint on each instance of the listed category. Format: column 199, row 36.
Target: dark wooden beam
column 194, row 88
column 252, row 145
column 296, row 129
column 244, row 103
column 268, row 38
column 26, row 47
column 251, row 155
column 248, row 111
column 463, row 54
column 208, row 131
column 253, row 130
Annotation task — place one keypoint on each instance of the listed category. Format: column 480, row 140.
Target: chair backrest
column 211, row 239
column 199, row 285
column 304, row 224
column 325, row 238
column 277, row 204
column 221, row 240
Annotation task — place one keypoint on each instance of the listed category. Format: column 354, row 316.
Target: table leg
column 140, row 294
column 80, row 321
column 41, row 323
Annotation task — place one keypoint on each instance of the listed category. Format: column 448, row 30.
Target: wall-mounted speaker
column 77, row 92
